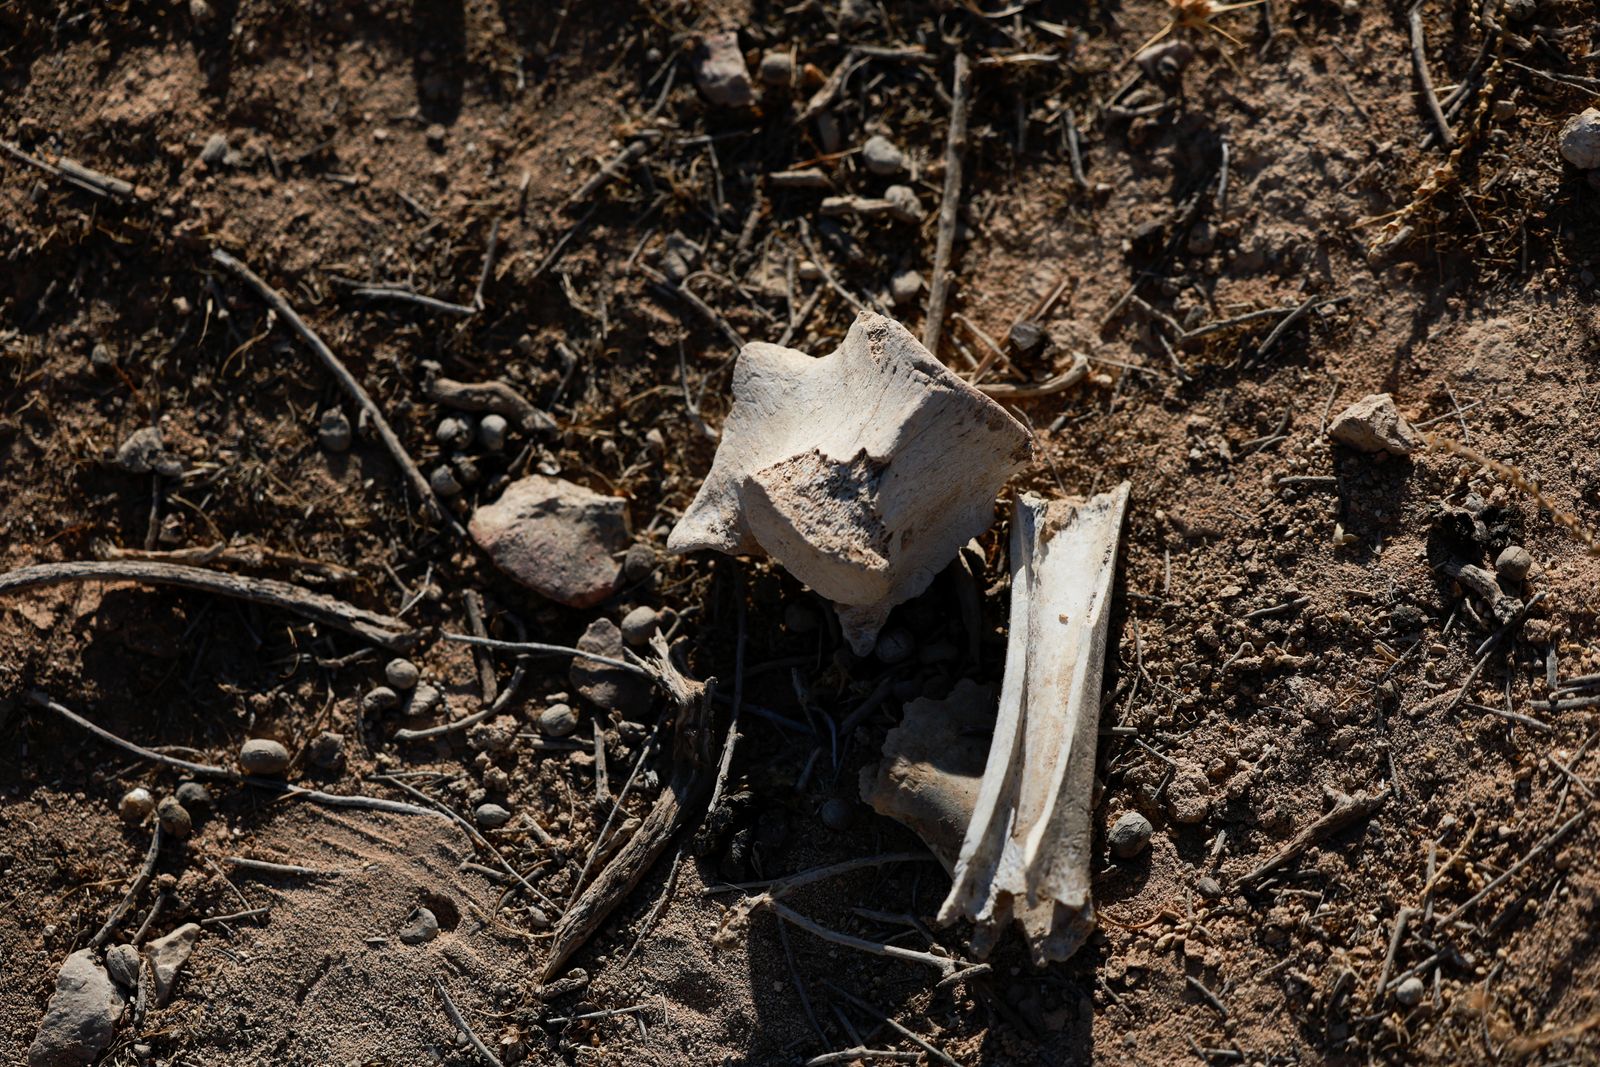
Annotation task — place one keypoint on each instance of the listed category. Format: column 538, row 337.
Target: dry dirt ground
column 1276, row 640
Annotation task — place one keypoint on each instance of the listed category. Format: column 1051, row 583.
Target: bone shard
column 1026, row 851
column 861, row 472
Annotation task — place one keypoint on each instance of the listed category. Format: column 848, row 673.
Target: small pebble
column 558, row 720
column 263, row 756
column 491, row 816
column 639, row 563
column 435, row 135
column 1029, row 339
column 905, row 287
column 379, row 698
column 836, row 813
column 425, row 700
column 453, row 432
column 1409, row 992
column 1208, row 887
column 1514, row 563
column 639, row 625
column 136, row 805
column 215, row 151
column 1129, row 835
column 443, row 482
column 194, row 796
column 808, row 271
column 777, row 69
column 174, row 818
column 895, row 646
column 421, row 927
column 333, row 431
column 103, row 355
column 905, row 205
column 492, row 432
column 1580, row 139
column 401, row 674
column 326, row 750
column 122, row 962
column 882, row 156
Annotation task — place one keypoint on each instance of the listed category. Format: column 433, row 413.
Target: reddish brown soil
column 383, row 141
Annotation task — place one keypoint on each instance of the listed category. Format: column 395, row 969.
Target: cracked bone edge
column 1027, row 847
column 862, row 472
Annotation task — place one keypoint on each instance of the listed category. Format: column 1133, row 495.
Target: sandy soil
column 386, row 142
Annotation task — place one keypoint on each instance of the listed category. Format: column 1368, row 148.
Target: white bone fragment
column 861, row 472
column 1027, row 846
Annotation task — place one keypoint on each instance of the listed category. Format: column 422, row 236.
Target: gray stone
column 1409, row 993
column 215, row 150
column 905, row 286
column 167, row 956
column 401, row 674
column 425, row 700
column 836, row 813
column 608, row 688
column 777, row 69
column 904, row 204
column 326, row 750
column 1514, row 563
column 639, row 625
column 122, row 963
column 380, row 698
column 720, row 71
column 143, row 452
column 443, row 483
column 333, row 431
column 263, row 756
column 492, row 431
column 81, row 1018
column 491, row 816
column 882, row 156
column 421, row 926
column 195, row 797
column 558, row 720
column 136, row 805
column 174, row 818
column 639, row 563
column 556, row 538
column 453, row 432
column 1129, row 835
column 1580, row 139
column 1373, row 424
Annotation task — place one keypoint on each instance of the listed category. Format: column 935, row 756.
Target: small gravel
column 333, row 431
column 401, row 674
column 174, row 818
column 882, row 156
column 421, row 926
column 639, row 625
column 195, row 797
column 1409, row 992
column 492, row 432
column 1514, row 563
column 379, row 698
column 1129, row 835
column 263, row 756
column 491, row 816
column 558, row 720
column 136, row 805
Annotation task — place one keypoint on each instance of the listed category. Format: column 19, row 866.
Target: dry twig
column 346, row 380
column 382, row 630
column 950, row 204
